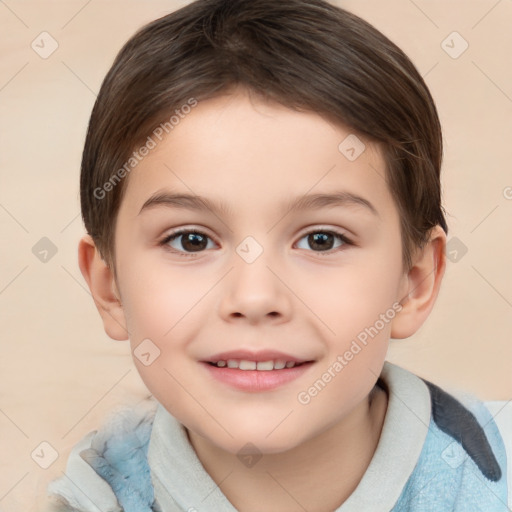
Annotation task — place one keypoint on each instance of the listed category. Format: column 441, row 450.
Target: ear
column 420, row 286
column 103, row 288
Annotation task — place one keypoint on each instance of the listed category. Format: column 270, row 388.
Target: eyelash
column 176, row 234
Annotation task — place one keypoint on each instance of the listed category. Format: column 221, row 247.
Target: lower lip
column 256, row 380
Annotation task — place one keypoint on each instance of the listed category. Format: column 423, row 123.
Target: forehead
column 245, row 154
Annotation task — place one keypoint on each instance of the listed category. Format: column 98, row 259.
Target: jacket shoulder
column 460, row 422
column 110, row 465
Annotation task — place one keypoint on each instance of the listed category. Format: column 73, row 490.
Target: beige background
column 60, row 374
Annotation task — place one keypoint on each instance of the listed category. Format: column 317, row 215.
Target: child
column 260, row 187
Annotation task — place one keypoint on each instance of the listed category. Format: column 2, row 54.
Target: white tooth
column 232, row 363
column 265, row 365
column 247, row 365
column 290, row 364
column 221, row 363
column 279, row 365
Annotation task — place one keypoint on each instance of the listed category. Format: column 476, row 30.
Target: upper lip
column 260, row 355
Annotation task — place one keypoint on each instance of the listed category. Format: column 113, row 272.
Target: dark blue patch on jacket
column 458, row 422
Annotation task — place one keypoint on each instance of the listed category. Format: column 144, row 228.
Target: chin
column 257, row 440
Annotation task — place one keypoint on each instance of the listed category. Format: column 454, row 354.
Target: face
column 248, row 278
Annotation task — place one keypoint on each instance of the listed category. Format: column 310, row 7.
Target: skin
column 256, row 156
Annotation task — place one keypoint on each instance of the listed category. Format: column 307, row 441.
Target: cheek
column 352, row 296
column 156, row 297
column 161, row 310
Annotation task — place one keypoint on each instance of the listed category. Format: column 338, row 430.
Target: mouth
column 247, row 365
column 253, row 376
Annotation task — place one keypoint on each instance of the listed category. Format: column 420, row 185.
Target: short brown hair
column 307, row 55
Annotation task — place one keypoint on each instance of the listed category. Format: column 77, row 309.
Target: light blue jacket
column 435, row 454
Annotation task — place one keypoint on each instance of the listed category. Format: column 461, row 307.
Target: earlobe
column 103, row 288
column 421, row 285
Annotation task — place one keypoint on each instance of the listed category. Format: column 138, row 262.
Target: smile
column 256, row 376
column 244, row 364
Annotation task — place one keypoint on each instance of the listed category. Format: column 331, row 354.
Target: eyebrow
column 306, row 202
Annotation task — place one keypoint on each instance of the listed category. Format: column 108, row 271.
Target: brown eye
column 184, row 242
column 323, row 241
column 193, row 242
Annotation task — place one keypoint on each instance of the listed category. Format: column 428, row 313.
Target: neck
column 320, row 474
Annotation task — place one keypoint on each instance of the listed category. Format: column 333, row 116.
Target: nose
column 255, row 293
